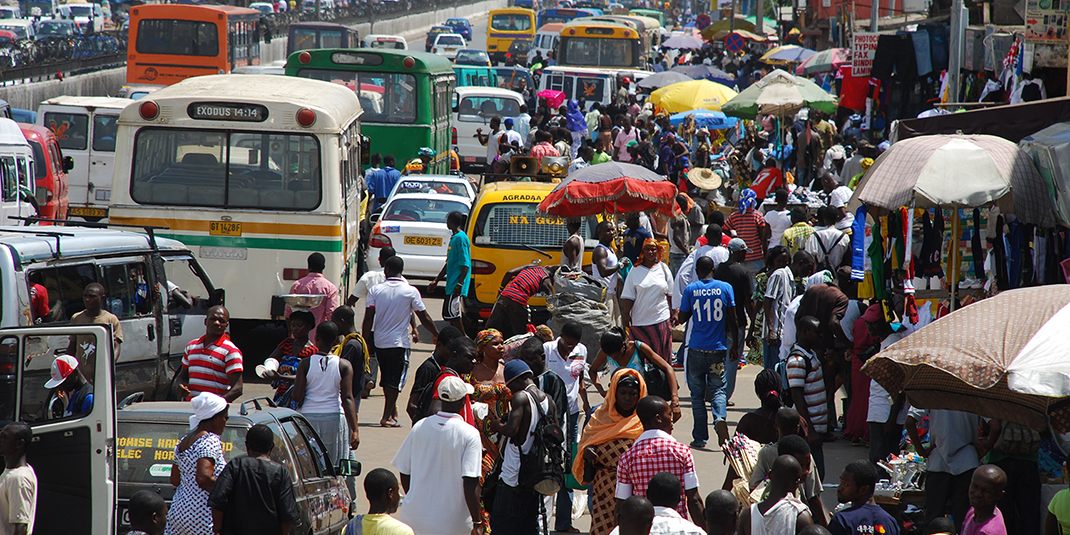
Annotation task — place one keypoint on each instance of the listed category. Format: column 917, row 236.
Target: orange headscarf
column 607, row 424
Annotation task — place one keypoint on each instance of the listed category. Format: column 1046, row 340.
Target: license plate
column 224, row 228
column 86, row 211
column 428, row 241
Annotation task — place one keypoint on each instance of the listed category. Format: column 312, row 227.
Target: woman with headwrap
column 646, row 301
column 488, row 379
column 609, row 433
column 197, row 463
column 868, row 330
column 750, row 226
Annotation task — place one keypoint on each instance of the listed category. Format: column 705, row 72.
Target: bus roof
column 639, row 23
column 507, row 10
column 488, row 92
column 335, row 105
column 79, row 241
column 498, row 191
column 11, row 134
column 321, row 25
column 88, row 102
column 551, row 27
column 149, row 10
column 393, row 60
column 603, row 24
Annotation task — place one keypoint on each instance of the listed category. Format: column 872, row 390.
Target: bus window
column 511, row 22
column 179, row 167
column 598, row 51
column 480, row 109
column 331, row 39
column 177, row 37
column 190, row 168
column 72, row 129
column 304, row 39
column 385, row 97
column 104, row 129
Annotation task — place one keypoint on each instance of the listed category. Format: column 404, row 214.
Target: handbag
column 657, row 384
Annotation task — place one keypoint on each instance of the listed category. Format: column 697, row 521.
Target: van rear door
column 102, row 156
column 72, row 451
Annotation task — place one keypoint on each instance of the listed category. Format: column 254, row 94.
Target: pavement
column 378, row 445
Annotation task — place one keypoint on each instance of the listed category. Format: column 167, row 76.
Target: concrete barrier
column 109, row 81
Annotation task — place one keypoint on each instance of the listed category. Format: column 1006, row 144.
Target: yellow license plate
column 86, row 211
column 224, row 228
column 429, row 241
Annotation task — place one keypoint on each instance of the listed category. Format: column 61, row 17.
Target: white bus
column 16, row 174
column 252, row 172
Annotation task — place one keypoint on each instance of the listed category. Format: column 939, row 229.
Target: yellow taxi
column 507, row 232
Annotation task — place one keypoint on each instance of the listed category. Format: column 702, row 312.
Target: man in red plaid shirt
column 656, row 451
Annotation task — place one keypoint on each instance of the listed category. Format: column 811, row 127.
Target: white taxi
column 414, row 224
column 448, row 44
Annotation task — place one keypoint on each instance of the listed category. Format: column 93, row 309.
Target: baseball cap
column 452, row 388
column 737, row 244
column 514, row 369
column 509, row 122
column 62, row 367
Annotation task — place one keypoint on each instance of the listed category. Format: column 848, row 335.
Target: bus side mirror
column 68, row 163
column 218, row 297
column 365, row 150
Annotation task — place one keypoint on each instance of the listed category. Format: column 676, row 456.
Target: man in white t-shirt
column 369, row 280
column 778, row 217
column 386, row 324
column 18, row 483
column 838, row 197
column 828, row 244
column 440, row 464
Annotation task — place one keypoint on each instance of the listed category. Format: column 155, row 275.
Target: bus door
column 72, row 452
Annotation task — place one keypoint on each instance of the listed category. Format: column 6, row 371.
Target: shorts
column 393, row 366
column 451, row 307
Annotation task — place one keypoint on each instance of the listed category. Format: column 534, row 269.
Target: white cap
column 205, row 406
column 62, row 367
column 452, row 389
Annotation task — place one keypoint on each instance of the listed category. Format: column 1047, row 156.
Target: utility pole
column 960, row 18
column 759, row 16
column 874, row 14
column 732, row 18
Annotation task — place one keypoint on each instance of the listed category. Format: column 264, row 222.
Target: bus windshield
column 601, row 52
column 177, row 37
column 81, row 11
column 385, row 97
column 521, row 225
column 511, row 22
column 225, row 168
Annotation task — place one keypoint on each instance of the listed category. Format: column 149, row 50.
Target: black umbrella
column 662, row 79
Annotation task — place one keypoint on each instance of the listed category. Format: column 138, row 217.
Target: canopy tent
column 1012, row 122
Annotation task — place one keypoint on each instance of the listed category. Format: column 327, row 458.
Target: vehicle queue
column 218, row 186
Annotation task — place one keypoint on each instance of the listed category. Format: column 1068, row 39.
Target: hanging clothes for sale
column 884, row 59
column 938, row 45
column 975, row 246
column 894, row 230
column 922, row 51
column 932, row 242
column 876, row 268
column 858, row 244
column 999, row 248
column 1014, row 254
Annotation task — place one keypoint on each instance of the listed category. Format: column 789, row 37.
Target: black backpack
column 823, row 262
column 543, row 467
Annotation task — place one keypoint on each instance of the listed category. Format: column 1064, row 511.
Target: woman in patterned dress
column 198, row 461
column 610, row 432
column 488, row 379
column 776, row 258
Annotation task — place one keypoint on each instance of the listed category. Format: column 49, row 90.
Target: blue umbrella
column 713, row 120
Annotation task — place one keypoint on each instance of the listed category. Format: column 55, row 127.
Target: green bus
column 475, row 76
column 406, row 96
column 652, row 13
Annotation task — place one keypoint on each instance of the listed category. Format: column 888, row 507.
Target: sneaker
column 698, row 444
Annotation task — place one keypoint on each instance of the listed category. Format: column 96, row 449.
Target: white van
column 380, row 40
column 86, row 128
column 16, row 173
column 584, row 85
column 85, row 15
column 546, row 38
column 473, row 108
column 10, row 12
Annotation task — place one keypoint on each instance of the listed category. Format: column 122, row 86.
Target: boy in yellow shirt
column 381, row 488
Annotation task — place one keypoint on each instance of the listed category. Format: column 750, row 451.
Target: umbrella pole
column 953, row 253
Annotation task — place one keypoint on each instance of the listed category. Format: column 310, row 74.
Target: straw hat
column 704, row 178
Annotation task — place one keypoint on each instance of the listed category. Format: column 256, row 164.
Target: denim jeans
column 770, row 353
column 675, row 261
column 705, row 373
column 563, row 508
column 732, row 364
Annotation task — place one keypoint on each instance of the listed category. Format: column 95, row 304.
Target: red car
column 50, row 168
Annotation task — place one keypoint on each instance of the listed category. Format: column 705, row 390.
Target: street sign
column 734, row 42
column 863, row 50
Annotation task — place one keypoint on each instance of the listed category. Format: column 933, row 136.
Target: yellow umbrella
column 693, row 95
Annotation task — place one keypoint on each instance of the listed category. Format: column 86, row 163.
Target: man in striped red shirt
column 750, row 226
column 510, row 312
column 212, row 363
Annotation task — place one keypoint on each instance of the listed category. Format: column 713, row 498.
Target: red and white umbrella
column 611, row 187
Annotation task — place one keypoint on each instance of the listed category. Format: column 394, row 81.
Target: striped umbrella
column 825, row 61
column 786, row 54
column 1003, row 357
column 612, row 187
column 779, row 93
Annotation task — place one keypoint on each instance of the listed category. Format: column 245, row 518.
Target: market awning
column 1012, row 122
